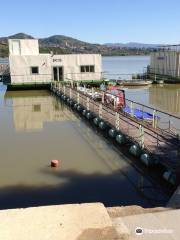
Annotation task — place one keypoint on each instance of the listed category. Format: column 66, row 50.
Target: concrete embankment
column 174, row 201
column 91, row 221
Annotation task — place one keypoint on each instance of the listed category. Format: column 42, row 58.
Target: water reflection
column 31, row 109
column 166, row 97
column 91, row 168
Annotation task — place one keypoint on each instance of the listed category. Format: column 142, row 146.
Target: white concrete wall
column 71, row 65
column 26, row 47
column 20, row 67
column 165, row 63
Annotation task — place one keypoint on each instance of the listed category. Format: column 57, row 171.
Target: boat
column 136, row 83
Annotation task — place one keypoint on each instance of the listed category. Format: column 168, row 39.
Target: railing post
column 92, row 90
column 103, row 98
column 70, row 93
column 117, row 121
column 64, row 89
column 154, row 119
column 169, row 125
column 100, row 110
column 78, row 98
column 114, row 103
column 59, row 87
column 141, row 130
column 87, row 103
column 132, row 109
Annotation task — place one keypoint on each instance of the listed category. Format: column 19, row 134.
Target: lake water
column 4, row 60
column 124, row 67
column 36, row 128
column 165, row 97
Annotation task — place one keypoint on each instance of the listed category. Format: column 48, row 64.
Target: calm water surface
column 36, row 128
column 124, row 67
column 165, row 97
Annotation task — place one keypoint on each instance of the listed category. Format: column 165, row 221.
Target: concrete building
column 165, row 62
column 27, row 65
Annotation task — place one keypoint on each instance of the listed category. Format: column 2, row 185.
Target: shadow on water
column 111, row 189
column 97, row 174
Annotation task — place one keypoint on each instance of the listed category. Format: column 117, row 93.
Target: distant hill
column 16, row 36
column 63, row 41
column 61, row 44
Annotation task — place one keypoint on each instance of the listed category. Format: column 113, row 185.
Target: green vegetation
column 4, row 51
column 60, row 44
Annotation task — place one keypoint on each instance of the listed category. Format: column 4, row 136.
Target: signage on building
column 57, row 60
column 160, row 58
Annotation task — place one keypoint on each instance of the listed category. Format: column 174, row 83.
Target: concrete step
column 160, row 225
column 62, row 222
column 123, row 211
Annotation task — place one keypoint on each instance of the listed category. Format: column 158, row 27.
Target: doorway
column 58, row 74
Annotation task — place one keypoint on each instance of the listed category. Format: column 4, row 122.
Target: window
column 83, row 69
column 87, row 68
column 34, row 70
column 92, row 69
column 37, row 108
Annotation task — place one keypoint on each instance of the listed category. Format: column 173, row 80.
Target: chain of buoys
column 121, row 139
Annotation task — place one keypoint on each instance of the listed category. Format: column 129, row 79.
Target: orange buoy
column 54, row 163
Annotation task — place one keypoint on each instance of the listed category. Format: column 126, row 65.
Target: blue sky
column 101, row 21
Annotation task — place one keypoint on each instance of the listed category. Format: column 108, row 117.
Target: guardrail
column 161, row 145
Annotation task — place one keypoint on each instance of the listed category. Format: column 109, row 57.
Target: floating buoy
column 146, row 159
column 62, row 96
column 54, row 163
column 96, row 121
column 75, row 105
column 112, row 133
column 89, row 115
column 71, row 102
column 68, row 100
column 84, row 112
column 170, row 177
column 135, row 150
column 102, row 125
column 79, row 108
column 120, row 138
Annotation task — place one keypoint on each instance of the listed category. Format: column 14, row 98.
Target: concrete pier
column 90, row 221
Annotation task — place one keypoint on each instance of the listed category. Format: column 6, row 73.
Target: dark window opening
column 60, row 73
column 37, row 108
column 82, row 69
column 92, row 68
column 55, row 74
column 56, row 107
column 87, row 68
column 34, row 70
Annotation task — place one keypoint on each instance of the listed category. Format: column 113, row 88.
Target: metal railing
column 162, row 144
